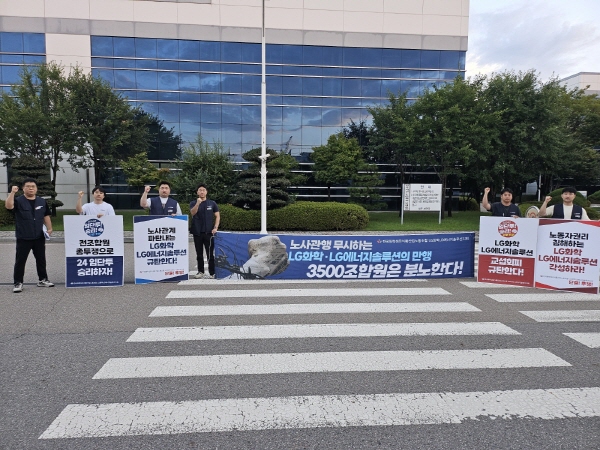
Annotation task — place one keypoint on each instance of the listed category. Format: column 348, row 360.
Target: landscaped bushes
column 6, row 217
column 299, row 216
column 591, row 212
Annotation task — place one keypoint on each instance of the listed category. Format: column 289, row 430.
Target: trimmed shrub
column 6, row 217
column 300, row 216
column 467, row 204
column 591, row 212
column 595, row 197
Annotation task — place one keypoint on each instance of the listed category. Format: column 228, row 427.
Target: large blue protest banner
column 286, row 256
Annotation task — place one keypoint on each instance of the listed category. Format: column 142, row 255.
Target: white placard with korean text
column 422, row 197
column 567, row 255
column 94, row 251
column 160, row 248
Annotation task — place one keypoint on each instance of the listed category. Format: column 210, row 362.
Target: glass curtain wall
column 17, row 50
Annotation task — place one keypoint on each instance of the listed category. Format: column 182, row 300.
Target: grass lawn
column 379, row 221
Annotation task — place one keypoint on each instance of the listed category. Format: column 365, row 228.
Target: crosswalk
column 506, row 350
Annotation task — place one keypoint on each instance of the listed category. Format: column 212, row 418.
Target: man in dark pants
column 31, row 214
column 203, row 211
column 163, row 205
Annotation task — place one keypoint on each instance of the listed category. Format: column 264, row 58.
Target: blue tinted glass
column 291, row 54
column 145, row 64
column 123, row 63
column 274, row 137
column 251, row 53
column 189, row 130
column 12, row 59
column 291, row 100
column 188, row 97
column 332, row 117
column 211, row 132
column 124, row 46
column 391, row 87
column 461, row 63
column 292, row 116
column 168, row 65
column 10, row 74
column 430, row 74
column 430, row 59
column 274, row 115
column 333, row 56
column 150, row 108
column 411, row 58
column 370, row 102
column 411, row 74
column 251, row 99
column 11, row 42
column 449, row 60
column 312, row 86
column 353, row 56
column 210, row 51
column 145, row 48
column 146, row 79
column 351, row 87
column 210, row 113
column 312, row 55
column 251, row 115
column 332, row 101
column 291, row 85
column 318, row 71
column 168, row 96
column 352, row 72
column 167, row 48
column 106, row 75
column 145, row 95
column 351, row 101
column 251, row 68
column 333, row 72
column 125, row 79
column 210, row 82
column 397, row 73
column 311, row 116
column 349, row 114
column 189, row 81
column 312, row 101
column 272, row 70
column 391, row 57
column 189, row 66
column 371, row 88
column 231, row 51
column 211, row 98
column 311, row 136
column 231, row 83
column 411, row 88
column 168, row 81
column 273, row 84
column 274, row 100
column 34, row 43
column 231, row 98
column 251, row 134
column 189, row 50
column 448, row 75
column 210, row 67
column 426, row 85
column 251, row 84
column 231, row 114
column 332, row 86
column 371, row 73
column 34, row 59
column 231, row 133
column 371, row 57
column 273, row 53
column 291, row 70
column 129, row 95
column 232, row 68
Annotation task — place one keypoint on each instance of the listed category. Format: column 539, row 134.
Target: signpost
column 421, row 197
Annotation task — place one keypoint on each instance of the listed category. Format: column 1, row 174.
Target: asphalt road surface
column 211, row 364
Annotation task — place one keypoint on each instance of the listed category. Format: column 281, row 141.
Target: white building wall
column 589, row 81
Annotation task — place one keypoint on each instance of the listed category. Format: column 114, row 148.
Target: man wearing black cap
column 566, row 210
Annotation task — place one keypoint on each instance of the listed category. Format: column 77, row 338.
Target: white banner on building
column 94, row 251
column 160, row 248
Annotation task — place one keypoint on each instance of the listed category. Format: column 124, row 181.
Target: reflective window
column 291, row 85
column 251, row 53
column 11, row 42
column 167, row 48
column 430, row 59
column 124, row 46
column 189, row 50
column 291, row 54
column 312, row 86
column 312, row 55
column 145, row 48
column 231, row 51
column 411, row 58
column 351, row 87
column 146, row 79
column 189, row 113
column 210, row 51
column 34, row 43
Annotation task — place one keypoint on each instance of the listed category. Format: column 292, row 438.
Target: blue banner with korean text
column 381, row 257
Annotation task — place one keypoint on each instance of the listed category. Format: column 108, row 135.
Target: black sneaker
column 45, row 283
column 18, row 287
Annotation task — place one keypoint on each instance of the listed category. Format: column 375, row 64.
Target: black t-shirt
column 499, row 210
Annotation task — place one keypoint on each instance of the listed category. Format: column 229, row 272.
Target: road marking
column 549, row 297
column 319, row 331
column 310, row 308
column 589, row 315
column 591, row 340
column 330, row 411
column 478, row 285
column 269, row 281
column 273, row 363
column 262, row 293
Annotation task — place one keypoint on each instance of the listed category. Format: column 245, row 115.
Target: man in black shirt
column 31, row 214
column 503, row 208
column 203, row 212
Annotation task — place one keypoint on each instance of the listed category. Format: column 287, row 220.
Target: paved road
column 266, row 365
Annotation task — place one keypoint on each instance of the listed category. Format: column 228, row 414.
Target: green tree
column 337, row 162
column 139, row 171
column 206, row 163
column 27, row 166
column 364, row 190
column 279, row 176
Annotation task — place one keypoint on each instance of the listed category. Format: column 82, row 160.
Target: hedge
column 300, row 216
column 591, row 212
column 6, row 217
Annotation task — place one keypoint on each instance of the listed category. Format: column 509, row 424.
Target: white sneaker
column 18, row 287
column 199, row 275
column 45, row 283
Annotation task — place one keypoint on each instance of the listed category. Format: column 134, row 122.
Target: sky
column 555, row 37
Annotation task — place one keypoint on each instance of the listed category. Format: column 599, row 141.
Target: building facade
column 196, row 64
column 588, row 81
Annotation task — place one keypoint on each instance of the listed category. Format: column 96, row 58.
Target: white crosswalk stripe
column 537, row 296
column 591, row 340
column 315, row 411
column 589, row 315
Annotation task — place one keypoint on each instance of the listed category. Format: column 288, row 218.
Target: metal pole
column 263, row 132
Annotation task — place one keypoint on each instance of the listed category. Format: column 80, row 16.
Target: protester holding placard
column 567, row 209
column 503, row 208
column 96, row 208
